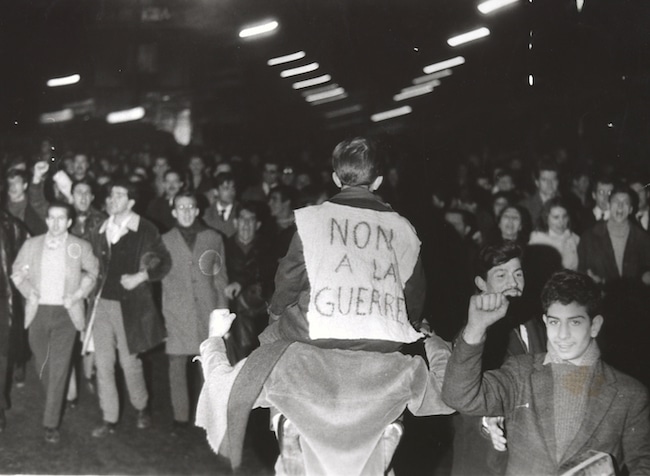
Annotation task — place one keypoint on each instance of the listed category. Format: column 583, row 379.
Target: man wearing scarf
column 194, row 286
column 560, row 405
column 55, row 272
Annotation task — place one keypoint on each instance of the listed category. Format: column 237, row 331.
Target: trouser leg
column 105, row 342
column 132, row 368
column 179, row 387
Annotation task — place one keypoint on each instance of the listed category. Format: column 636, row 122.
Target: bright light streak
column 63, row 81
column 414, row 91
column 258, row 29
column 430, row 77
column 531, row 80
column 327, row 87
column 286, row 58
column 56, row 116
column 492, row 5
column 125, row 116
column 450, row 63
column 431, row 84
column 326, row 100
column 312, row 82
column 325, row 94
column 382, row 116
column 308, row 68
column 469, row 36
column 343, row 111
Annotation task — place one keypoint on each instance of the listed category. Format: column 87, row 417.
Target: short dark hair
column 186, row 194
column 13, row 173
column 286, row 193
column 620, row 187
column 83, row 181
column 545, row 164
column 491, row 256
column 59, row 204
column 249, row 206
column 566, row 287
column 222, row 178
column 356, row 162
column 542, row 222
column 173, row 170
column 131, row 188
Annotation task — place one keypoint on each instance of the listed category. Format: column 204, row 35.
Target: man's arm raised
column 484, row 310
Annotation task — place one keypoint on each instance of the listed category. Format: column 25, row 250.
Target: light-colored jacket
column 81, row 267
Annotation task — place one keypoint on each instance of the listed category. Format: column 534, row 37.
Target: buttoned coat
column 81, row 268
column 616, row 418
column 193, row 287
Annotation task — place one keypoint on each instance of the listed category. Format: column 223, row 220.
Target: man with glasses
column 194, row 286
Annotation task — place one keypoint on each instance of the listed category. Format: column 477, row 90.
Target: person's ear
column 258, row 224
column 596, row 325
column 174, row 213
column 480, row 284
column 337, row 180
column 68, row 223
column 131, row 204
column 376, row 183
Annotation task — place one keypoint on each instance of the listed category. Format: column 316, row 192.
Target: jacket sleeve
column 472, row 393
column 290, row 278
column 636, row 437
column 415, row 294
column 20, row 271
column 90, row 269
column 155, row 259
column 220, row 280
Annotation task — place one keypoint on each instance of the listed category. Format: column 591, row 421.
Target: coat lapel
column 600, row 398
column 608, row 252
column 542, row 395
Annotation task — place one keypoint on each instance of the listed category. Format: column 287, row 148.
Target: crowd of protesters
column 138, row 249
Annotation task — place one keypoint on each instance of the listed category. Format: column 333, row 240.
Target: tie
column 222, row 214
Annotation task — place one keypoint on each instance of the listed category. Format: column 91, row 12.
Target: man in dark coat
column 131, row 255
column 12, row 235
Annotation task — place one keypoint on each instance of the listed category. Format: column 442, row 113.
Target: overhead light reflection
column 450, row 63
column 258, row 29
column 343, row 111
column 430, row 77
column 63, row 81
column 56, row 116
column 312, row 82
column 308, row 68
column 414, row 91
column 469, row 36
column 325, row 94
column 326, row 100
column 286, row 58
column 327, row 87
column 125, row 116
column 492, row 5
column 382, row 116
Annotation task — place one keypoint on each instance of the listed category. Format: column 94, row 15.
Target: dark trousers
column 51, row 338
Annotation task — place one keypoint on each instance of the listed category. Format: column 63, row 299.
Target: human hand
column 645, row 278
column 597, row 279
column 494, row 427
column 220, row 322
column 40, row 169
column 484, row 310
column 132, row 281
column 232, row 290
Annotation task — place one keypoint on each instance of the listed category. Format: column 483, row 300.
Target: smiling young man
column 558, row 405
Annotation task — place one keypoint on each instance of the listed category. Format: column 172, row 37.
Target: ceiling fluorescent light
column 326, row 100
column 343, row 111
column 56, row 116
column 327, row 87
column 258, row 29
column 308, row 68
column 431, row 84
column 408, row 93
column 492, row 5
column 312, row 82
column 325, row 94
column 63, row 81
column 286, row 58
column 382, row 116
column 430, row 77
column 469, row 36
column 450, row 63
column 125, row 116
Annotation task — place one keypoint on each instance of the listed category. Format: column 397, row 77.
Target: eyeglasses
column 605, row 192
column 185, row 207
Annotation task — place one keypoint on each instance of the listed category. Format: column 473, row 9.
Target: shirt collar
column 131, row 223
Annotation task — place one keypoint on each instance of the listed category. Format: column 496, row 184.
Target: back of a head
column 355, row 162
column 496, row 255
column 566, row 287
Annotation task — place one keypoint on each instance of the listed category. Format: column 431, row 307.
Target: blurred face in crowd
column 247, row 225
column 271, row 174
column 118, row 201
column 226, row 193
column 80, row 165
column 223, row 167
column 506, row 278
column 196, row 165
column 642, row 191
column 570, row 330
column 302, row 180
column 16, row 188
column 602, row 193
column 581, row 184
column 161, row 165
column 510, row 223
column 57, row 221
column 277, row 207
column 505, row 183
column 620, row 207
column 288, row 176
column 82, row 197
column 558, row 220
column 499, row 204
column 185, row 211
column 547, row 183
column 172, row 184
column 457, row 221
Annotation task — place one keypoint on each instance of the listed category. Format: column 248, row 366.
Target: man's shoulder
column 625, row 383
column 79, row 241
